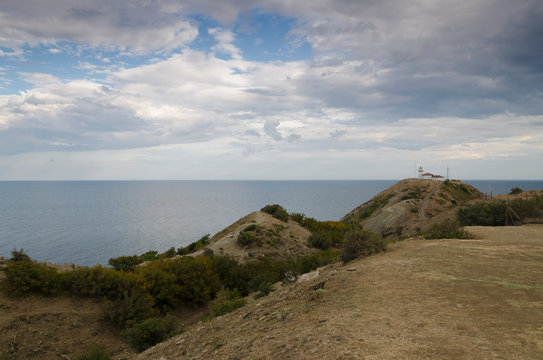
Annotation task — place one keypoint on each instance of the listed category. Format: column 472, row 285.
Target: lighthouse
column 420, row 171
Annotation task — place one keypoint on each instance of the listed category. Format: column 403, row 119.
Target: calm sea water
column 89, row 222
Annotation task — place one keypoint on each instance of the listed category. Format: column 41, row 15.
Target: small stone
column 308, row 276
column 320, row 285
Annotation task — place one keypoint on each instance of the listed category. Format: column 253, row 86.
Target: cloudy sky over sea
column 270, row 89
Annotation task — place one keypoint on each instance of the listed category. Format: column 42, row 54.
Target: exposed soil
column 287, row 239
column 37, row 327
column 423, row 299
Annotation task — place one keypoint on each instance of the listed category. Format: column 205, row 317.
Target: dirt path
column 439, row 299
column 427, row 199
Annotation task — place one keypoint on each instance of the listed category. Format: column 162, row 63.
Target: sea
column 89, row 222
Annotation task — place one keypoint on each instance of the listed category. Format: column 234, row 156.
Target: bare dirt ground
column 423, row 299
column 54, row 328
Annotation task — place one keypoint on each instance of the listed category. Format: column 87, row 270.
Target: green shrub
column 130, row 310
column 515, row 190
column 360, row 242
column 325, row 234
column 298, row 217
column 168, row 253
column 19, row 256
column 527, row 208
column 309, row 263
column 483, row 213
column 149, row 255
column 277, row 211
column 183, row 280
column 321, row 240
column 226, row 301
column 102, row 281
column 23, row 275
column 95, row 353
column 195, row 246
column 448, row 229
column 264, row 289
column 125, row 263
column 232, row 274
column 149, row 332
column 250, row 235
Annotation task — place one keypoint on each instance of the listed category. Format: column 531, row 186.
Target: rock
column 309, row 276
column 320, row 285
column 289, row 277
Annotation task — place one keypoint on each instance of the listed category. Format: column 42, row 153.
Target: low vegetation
column 226, row 301
column 138, row 299
column 447, row 229
column 129, row 263
column 195, row 246
column 360, row 242
column 277, row 211
column 493, row 213
column 149, row 332
column 324, row 234
column 416, row 192
column 374, row 205
column 95, row 353
column 257, row 235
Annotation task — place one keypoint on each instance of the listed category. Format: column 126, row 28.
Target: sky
column 270, row 89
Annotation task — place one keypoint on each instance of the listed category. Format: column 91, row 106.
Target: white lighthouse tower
column 420, row 171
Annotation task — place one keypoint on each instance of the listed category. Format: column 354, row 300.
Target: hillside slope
column 411, row 205
column 423, row 299
column 271, row 237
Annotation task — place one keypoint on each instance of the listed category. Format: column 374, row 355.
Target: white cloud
column 387, row 81
column 135, row 26
column 225, row 39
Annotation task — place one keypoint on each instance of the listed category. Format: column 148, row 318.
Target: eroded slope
column 438, row 299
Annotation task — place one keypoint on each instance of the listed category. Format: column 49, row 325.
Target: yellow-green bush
column 24, row 275
column 95, row 353
column 226, row 301
column 447, row 229
column 277, row 211
column 361, row 242
column 149, row 332
column 183, row 280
